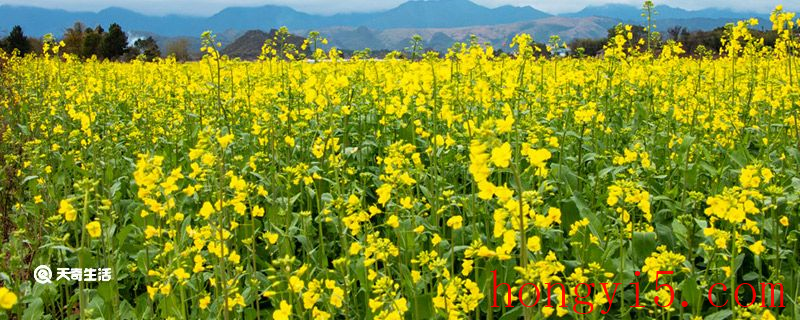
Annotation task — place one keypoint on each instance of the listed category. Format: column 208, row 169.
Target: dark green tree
column 146, row 47
column 114, row 42
column 591, row 47
column 73, row 38
column 17, row 40
column 92, row 41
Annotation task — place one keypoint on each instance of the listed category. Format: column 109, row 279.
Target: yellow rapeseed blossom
column 284, row 312
column 455, row 222
column 757, row 248
column 69, row 212
column 94, row 229
column 303, row 174
column 225, row 140
column 7, row 298
column 501, row 155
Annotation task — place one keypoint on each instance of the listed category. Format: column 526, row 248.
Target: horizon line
column 364, row 12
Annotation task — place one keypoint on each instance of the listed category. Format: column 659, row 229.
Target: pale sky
column 209, row 7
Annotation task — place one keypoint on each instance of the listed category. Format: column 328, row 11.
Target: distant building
column 560, row 52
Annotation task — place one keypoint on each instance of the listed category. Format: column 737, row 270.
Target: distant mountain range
column 631, row 13
column 442, row 38
column 248, row 46
column 412, row 14
column 440, row 22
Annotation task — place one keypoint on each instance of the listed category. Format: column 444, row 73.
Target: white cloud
column 208, row 7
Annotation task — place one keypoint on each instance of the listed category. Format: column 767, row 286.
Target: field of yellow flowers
column 398, row 189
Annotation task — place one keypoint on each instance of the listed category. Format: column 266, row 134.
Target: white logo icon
column 42, row 274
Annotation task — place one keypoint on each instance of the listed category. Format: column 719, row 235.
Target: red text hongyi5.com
column 585, row 291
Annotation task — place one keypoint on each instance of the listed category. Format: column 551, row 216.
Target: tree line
column 87, row 42
column 695, row 43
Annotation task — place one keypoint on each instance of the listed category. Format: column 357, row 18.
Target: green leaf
column 28, row 178
column 644, row 243
column 665, row 235
column 680, row 232
column 690, row 291
column 515, row 313
column 565, row 175
column 361, row 273
column 126, row 311
column 738, row 262
column 739, row 157
column 750, row 276
column 422, row 306
column 96, row 307
column 34, row 310
column 719, row 315
column 595, row 224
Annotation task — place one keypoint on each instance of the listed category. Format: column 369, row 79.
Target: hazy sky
column 208, row 7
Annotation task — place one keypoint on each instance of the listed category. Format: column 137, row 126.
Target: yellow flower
column 150, row 232
column 466, row 267
column 165, row 289
column 353, row 200
column 766, row 173
column 455, row 222
column 485, row 252
column 750, row 177
column 234, row 257
column 198, row 264
column 501, row 155
column 553, row 142
column 151, row 291
column 539, row 157
column 506, row 124
column 289, row 141
column 319, row 314
column 206, row 210
column 337, row 297
column 487, row 190
column 663, row 261
column 69, row 212
column 94, row 229
column 7, row 298
column 257, row 211
column 416, row 276
column 296, row 284
column 204, row 302
column 784, row 221
column 436, row 239
column 534, row 244
column 554, row 215
column 407, row 203
column 180, row 274
column 757, row 248
column 284, row 313
column 503, row 193
column 271, row 237
column 225, row 140
column 393, row 221
column 384, row 193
